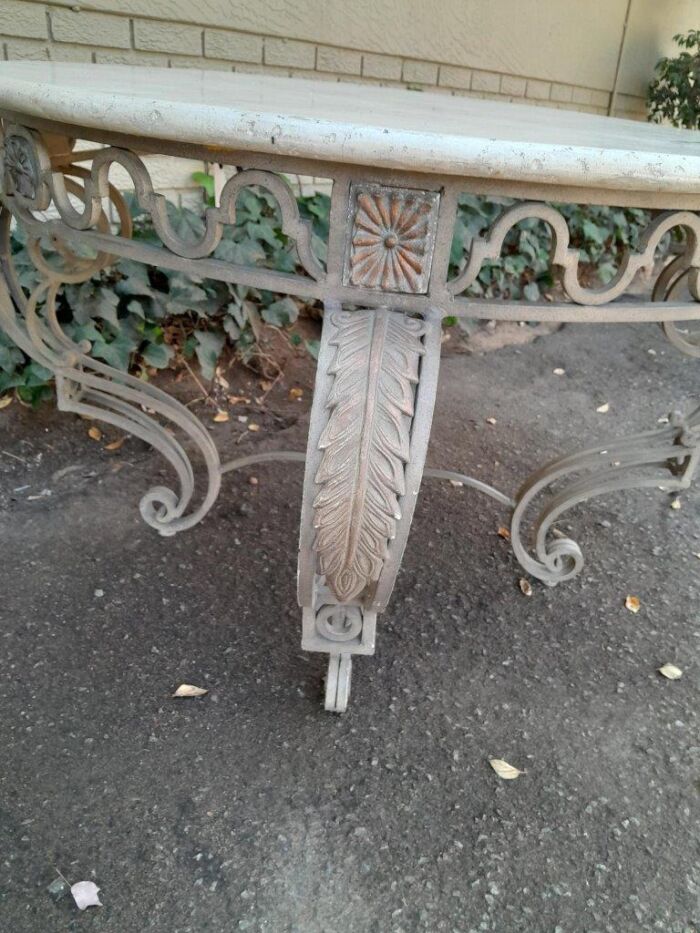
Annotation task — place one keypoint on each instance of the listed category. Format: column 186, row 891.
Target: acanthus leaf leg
column 370, row 423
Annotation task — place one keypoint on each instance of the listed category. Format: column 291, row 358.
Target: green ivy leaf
column 116, row 353
column 281, row 313
column 157, row 355
column 531, row 291
column 209, row 346
column 313, row 347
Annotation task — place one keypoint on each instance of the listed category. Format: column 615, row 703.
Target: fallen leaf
column 670, row 671
column 85, row 894
column 253, row 426
column 504, row 533
column 633, row 604
column 504, row 770
column 296, row 393
column 235, row 399
column 116, row 445
column 603, row 409
column 265, row 385
column 525, row 586
column 5, row 401
column 95, row 433
column 220, row 379
column 490, row 421
column 559, row 371
column 189, row 690
column 221, row 416
column 42, row 495
column 676, row 504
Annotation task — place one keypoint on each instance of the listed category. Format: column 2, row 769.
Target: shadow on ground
column 251, row 809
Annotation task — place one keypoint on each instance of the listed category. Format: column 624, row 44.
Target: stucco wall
column 547, row 52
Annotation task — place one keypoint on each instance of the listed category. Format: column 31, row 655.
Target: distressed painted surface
column 384, row 127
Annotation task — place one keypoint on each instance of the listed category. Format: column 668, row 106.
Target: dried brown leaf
column 670, row 671
column 189, row 690
column 220, row 379
column 95, row 433
column 633, row 604
column 85, row 894
column 504, row 770
column 221, row 416
column 296, row 393
column 116, row 445
column 504, row 533
column 525, row 586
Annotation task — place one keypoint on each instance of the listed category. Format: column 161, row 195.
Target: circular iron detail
column 339, row 623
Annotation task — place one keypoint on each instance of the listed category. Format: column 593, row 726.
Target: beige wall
column 560, row 53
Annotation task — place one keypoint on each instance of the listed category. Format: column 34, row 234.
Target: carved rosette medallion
column 391, row 238
column 24, row 164
column 365, row 444
column 21, row 175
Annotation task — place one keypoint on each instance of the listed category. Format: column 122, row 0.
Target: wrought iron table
column 398, row 162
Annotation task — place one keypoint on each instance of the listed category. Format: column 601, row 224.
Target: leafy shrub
column 674, row 94
column 141, row 318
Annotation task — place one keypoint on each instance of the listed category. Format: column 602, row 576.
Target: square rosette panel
column 391, row 238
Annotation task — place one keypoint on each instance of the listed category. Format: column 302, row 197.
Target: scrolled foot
column 666, row 458
column 338, row 683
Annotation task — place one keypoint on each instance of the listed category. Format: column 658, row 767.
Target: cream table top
column 358, row 124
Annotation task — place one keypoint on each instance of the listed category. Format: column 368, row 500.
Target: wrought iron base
column 388, row 254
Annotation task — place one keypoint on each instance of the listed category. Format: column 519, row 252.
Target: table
column 398, row 161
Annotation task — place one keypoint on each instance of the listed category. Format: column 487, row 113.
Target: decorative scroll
column 31, row 181
column 666, row 458
column 566, row 260
column 392, row 238
column 673, row 278
column 365, row 444
column 93, row 389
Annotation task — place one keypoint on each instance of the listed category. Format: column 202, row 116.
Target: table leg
column 370, row 423
column 666, row 458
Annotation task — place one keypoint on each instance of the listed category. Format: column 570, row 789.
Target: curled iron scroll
column 566, row 260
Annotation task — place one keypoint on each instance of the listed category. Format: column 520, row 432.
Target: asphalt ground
column 251, row 808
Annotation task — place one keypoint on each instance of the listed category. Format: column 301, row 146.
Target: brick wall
column 39, row 31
